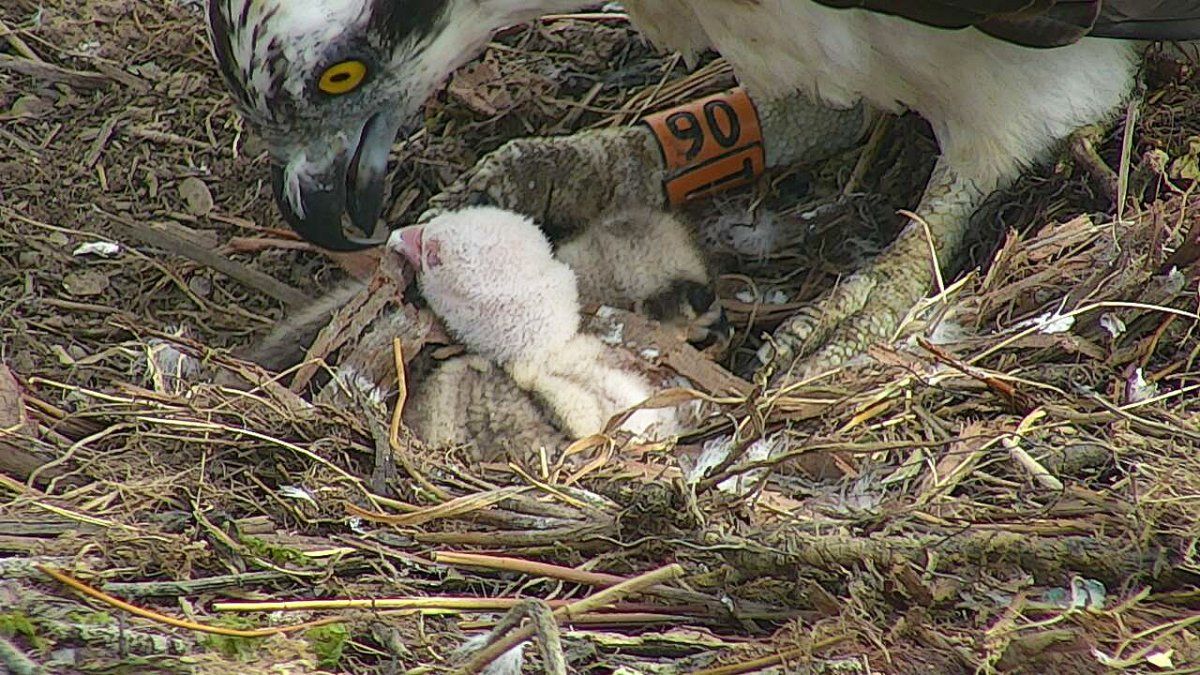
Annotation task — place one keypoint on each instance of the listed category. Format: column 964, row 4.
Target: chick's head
column 491, row 276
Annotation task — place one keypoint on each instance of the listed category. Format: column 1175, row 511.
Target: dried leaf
column 1161, row 659
column 481, row 88
column 30, row 106
column 104, row 249
column 196, row 197
column 85, row 283
column 1188, row 166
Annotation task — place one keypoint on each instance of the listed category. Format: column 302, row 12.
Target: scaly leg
column 869, row 305
column 566, row 182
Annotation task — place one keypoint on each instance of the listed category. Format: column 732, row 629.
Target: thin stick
column 586, row 16
column 83, row 588
column 530, row 567
column 772, row 660
column 20, row 45
column 401, row 380
column 937, row 267
column 591, row 603
column 597, row 579
column 1131, row 115
column 398, row 450
column 179, row 243
column 1022, row 457
column 49, row 72
column 147, row 589
column 870, row 152
column 605, row 619
column 448, row 509
column 624, row 611
column 455, row 603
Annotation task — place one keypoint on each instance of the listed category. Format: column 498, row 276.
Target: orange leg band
column 709, row 145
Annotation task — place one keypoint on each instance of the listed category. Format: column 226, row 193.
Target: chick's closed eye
column 432, row 252
column 417, row 246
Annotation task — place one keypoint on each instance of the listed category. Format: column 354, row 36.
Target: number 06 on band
column 709, row 145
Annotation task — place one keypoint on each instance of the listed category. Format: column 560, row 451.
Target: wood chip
column 12, row 408
column 85, row 283
column 197, row 198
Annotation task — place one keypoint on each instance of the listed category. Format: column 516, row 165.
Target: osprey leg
column 562, row 182
column 868, row 306
column 566, row 182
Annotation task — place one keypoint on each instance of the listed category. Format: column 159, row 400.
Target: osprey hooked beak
column 329, row 84
column 320, row 183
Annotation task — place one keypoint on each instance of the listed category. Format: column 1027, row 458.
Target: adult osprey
column 329, row 83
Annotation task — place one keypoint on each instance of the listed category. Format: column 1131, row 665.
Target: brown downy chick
column 469, row 400
column 492, row 278
column 649, row 261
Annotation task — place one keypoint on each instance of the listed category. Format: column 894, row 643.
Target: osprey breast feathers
column 994, row 105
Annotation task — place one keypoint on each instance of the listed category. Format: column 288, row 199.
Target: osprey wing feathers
column 1049, row 23
column 1149, row 19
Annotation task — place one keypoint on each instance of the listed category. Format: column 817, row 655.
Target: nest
column 1011, row 488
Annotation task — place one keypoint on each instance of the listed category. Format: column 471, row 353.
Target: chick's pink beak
column 411, row 243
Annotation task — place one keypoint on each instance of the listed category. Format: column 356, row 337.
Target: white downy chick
column 644, row 260
column 490, row 275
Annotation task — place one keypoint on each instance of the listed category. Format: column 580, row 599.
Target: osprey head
column 329, row 84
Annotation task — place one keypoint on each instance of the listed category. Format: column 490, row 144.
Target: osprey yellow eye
column 342, row 78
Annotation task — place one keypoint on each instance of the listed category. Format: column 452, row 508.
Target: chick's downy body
column 649, row 261
column 492, row 278
column 632, row 256
column 490, row 275
column 471, row 401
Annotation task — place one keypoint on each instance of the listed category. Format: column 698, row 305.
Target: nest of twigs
column 1010, row 486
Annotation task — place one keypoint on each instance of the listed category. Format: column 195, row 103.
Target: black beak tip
column 322, row 221
column 365, row 205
